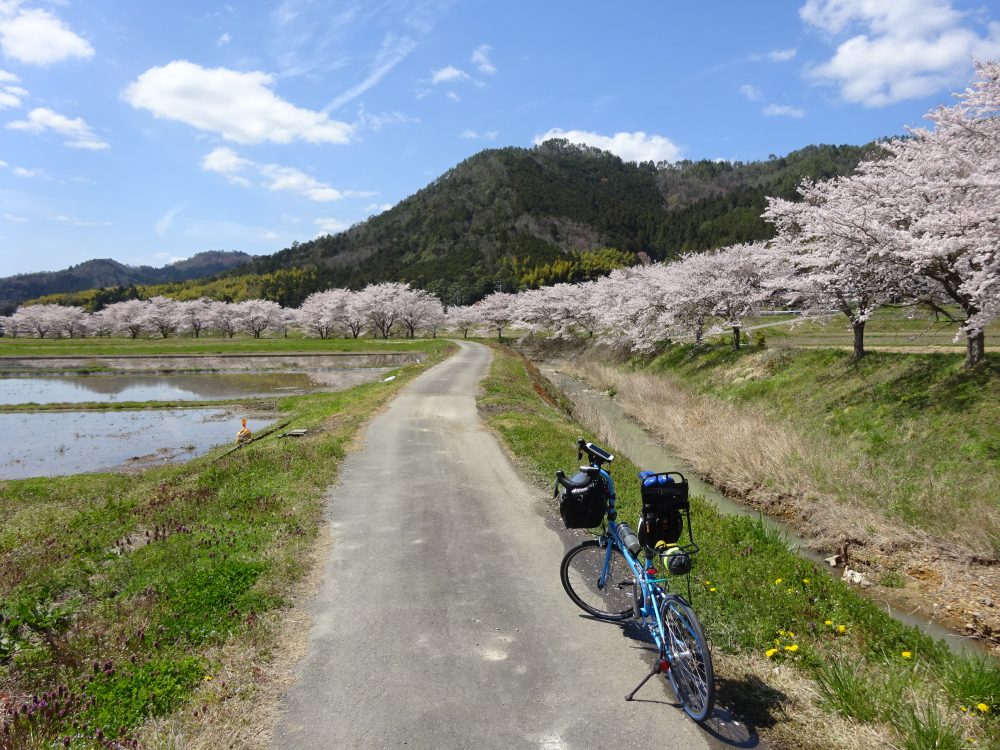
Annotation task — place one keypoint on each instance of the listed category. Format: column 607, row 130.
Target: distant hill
column 506, row 216
column 512, row 218
column 107, row 273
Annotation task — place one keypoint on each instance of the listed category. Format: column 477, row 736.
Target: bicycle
column 605, row 577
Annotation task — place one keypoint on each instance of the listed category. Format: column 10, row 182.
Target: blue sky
column 147, row 132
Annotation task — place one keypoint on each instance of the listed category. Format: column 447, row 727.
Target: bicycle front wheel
column 581, row 574
column 690, row 660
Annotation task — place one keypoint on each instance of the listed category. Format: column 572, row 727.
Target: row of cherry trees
column 918, row 223
column 378, row 309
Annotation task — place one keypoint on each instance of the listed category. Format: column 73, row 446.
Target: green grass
column 765, row 596
column 208, row 345
column 931, row 426
column 117, row 593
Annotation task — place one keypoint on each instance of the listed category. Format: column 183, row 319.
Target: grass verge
column 209, row 345
column 783, row 632
column 136, row 611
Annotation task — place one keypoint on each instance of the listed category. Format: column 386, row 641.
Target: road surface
column 441, row 622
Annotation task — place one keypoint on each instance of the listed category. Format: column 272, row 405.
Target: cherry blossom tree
column 101, row 324
column 378, row 304
column 417, row 307
column 497, row 311
column 163, row 315
column 40, row 320
column 257, row 315
column 196, row 315
column 71, row 321
column 225, row 317
column 461, row 318
column 128, row 316
column 836, row 250
column 942, row 213
column 323, row 313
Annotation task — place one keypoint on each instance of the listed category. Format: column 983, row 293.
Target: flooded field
column 74, row 389
column 211, row 363
column 55, row 444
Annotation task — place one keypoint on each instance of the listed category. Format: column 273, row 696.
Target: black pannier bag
column 583, row 508
column 664, row 499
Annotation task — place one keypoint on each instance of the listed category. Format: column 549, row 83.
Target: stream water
column 643, row 449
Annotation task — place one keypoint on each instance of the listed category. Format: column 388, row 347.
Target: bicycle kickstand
column 662, row 665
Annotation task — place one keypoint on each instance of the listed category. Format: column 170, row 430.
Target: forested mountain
column 501, row 216
column 512, row 218
column 107, row 273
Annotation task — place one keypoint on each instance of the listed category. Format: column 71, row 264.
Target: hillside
column 515, row 218
column 107, row 273
column 499, row 214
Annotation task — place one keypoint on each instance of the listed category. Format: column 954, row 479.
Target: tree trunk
column 858, row 327
column 975, row 349
column 736, row 338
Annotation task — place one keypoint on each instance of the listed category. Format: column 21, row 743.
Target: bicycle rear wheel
column 580, row 573
column 690, row 672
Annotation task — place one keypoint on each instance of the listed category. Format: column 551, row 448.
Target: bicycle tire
column 580, row 575
column 691, row 674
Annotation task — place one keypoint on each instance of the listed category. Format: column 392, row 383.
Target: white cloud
column 330, row 226
column 223, row 40
column 393, row 51
column 453, row 96
column 481, row 59
column 489, row 135
column 276, row 177
column 164, row 222
column 783, row 110
column 76, row 131
column 750, row 92
column 896, row 51
column 781, row 55
column 448, row 74
column 36, row 37
column 7, row 77
column 79, row 222
column 377, row 121
column 15, row 218
column 28, row 173
column 4, row 164
column 240, row 107
column 637, row 146
column 9, row 97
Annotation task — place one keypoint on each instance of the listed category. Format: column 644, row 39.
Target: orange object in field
column 243, row 435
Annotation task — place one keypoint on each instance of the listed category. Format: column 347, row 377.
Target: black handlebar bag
column 583, row 508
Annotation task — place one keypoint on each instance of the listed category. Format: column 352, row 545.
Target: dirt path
column 440, row 622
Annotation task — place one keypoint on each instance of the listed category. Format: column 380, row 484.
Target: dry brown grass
column 776, row 470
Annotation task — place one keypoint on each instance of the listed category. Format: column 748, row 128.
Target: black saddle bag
column 664, row 505
column 583, row 508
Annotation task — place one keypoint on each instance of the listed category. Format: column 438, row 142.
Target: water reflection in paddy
column 59, row 443
column 59, row 389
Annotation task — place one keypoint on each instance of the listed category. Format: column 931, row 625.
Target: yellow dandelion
column 793, row 648
column 708, row 583
column 841, row 629
column 907, row 655
column 963, row 709
column 789, row 591
column 770, row 652
column 777, row 581
column 983, row 708
column 781, row 632
column 805, row 581
column 828, row 622
column 712, row 589
column 208, row 678
column 791, row 634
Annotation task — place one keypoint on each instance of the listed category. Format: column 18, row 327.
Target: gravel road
column 441, row 622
